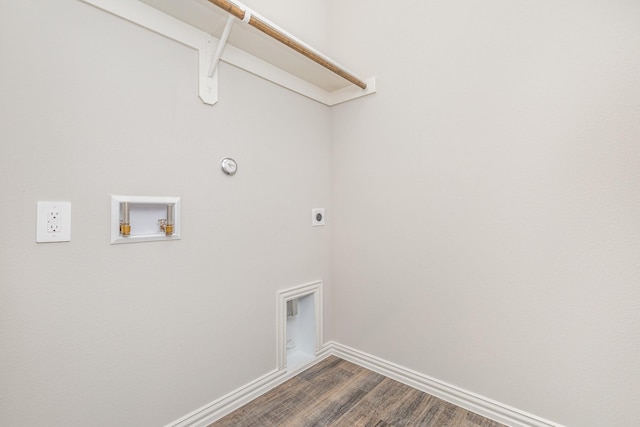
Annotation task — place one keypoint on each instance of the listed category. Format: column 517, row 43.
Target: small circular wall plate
column 229, row 166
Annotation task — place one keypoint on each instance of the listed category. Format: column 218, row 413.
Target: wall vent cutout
column 299, row 325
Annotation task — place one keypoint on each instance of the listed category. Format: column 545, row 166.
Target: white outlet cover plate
column 314, row 217
column 61, row 221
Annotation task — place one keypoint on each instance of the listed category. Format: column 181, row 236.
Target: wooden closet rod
column 286, row 39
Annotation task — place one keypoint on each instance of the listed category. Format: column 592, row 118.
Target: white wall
column 484, row 208
column 486, row 199
column 140, row 335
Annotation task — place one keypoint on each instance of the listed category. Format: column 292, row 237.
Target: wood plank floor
column 335, row 392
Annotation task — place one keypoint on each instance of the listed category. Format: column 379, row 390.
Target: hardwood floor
column 339, row 393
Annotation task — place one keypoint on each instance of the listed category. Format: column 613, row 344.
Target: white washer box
column 145, row 212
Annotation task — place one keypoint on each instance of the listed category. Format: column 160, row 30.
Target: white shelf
column 199, row 24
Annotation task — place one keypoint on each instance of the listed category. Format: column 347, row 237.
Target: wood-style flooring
column 335, row 392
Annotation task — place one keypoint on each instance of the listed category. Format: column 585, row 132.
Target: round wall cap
column 229, row 166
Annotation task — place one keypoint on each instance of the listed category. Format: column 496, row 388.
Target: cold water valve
column 166, row 225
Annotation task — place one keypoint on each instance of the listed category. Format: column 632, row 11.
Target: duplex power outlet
column 53, row 222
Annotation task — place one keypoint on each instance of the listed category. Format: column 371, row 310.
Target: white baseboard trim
column 465, row 399
column 228, row 403
column 481, row 405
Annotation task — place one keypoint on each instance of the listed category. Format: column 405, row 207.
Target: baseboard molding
column 465, row 399
column 488, row 408
column 228, row 403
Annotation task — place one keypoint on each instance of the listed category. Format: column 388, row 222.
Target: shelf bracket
column 215, row 60
column 207, row 84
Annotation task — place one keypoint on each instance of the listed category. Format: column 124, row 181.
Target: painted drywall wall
column 142, row 334
column 486, row 199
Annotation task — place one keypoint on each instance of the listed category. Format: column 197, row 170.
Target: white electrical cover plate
column 53, row 222
column 317, row 217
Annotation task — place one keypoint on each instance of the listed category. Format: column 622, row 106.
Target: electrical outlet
column 53, row 222
column 317, row 217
